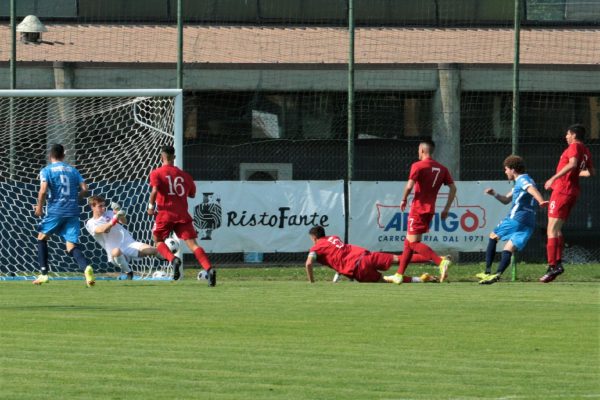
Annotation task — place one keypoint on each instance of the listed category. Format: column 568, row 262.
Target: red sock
column 407, row 279
column 165, row 252
column 551, row 250
column 426, row 252
column 406, row 256
column 202, row 258
column 560, row 246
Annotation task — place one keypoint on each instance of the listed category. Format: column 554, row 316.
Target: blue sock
column 504, row 261
column 43, row 256
column 490, row 253
column 79, row 258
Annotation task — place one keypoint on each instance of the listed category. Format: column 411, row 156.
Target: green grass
column 267, row 334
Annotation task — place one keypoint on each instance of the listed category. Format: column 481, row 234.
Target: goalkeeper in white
column 105, row 226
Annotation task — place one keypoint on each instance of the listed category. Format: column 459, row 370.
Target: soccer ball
column 160, row 274
column 202, row 275
column 172, row 244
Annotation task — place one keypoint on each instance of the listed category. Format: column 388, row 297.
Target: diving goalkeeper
column 106, row 228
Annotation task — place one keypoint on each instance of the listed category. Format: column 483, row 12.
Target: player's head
column 56, row 151
column 514, row 166
column 167, row 153
column 426, row 148
column 97, row 204
column 317, row 232
column 575, row 132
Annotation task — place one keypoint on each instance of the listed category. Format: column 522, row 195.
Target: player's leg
column 518, row 235
column 69, row 231
column 42, row 250
column 120, row 260
column 558, row 212
column 490, row 254
column 404, row 260
column 46, row 228
column 188, row 234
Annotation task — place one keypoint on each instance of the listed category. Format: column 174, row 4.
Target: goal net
column 112, row 137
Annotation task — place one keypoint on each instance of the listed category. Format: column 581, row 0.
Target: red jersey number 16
column 176, row 186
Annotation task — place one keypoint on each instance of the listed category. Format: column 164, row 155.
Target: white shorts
column 130, row 250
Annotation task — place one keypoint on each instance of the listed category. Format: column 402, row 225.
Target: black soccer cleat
column 130, row 275
column 552, row 273
column 177, row 269
column 212, row 277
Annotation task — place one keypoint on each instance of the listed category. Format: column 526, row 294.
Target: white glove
column 115, row 206
column 120, row 213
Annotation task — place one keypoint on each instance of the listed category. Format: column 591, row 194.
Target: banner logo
column 208, row 215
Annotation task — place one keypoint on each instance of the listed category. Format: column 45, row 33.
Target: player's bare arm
column 451, row 197
column 41, row 200
column 312, row 256
column 83, row 190
column 537, row 196
column 407, row 189
column 572, row 164
column 502, row 199
column 152, row 201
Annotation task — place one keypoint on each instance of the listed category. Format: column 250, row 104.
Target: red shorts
column 370, row 264
column 560, row 205
column 419, row 223
column 164, row 226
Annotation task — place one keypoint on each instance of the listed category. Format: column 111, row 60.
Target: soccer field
column 282, row 338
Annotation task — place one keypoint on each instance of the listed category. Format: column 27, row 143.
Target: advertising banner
column 377, row 223
column 275, row 216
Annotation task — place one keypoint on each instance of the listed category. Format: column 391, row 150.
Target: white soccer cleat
column 336, row 277
column 40, row 280
column 397, row 278
column 444, row 266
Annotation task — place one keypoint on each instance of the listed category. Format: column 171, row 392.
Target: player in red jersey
column 170, row 189
column 426, row 177
column 575, row 162
column 352, row 261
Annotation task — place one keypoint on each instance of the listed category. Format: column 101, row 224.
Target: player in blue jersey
column 63, row 187
column 517, row 227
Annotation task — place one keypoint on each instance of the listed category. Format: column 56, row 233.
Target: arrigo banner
column 274, row 216
column 377, row 223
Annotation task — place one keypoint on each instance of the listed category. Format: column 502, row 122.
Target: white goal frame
column 177, row 139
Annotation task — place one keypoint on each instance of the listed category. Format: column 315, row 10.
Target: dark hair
column 170, row 150
column 430, row 144
column 57, row 151
column 515, row 162
column 578, row 130
column 317, row 231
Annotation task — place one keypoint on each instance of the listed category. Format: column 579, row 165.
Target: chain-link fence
column 266, row 82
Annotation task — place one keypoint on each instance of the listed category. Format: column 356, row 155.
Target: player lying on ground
column 427, row 177
column 518, row 225
column 63, row 187
column 354, row 262
column 106, row 227
column 170, row 189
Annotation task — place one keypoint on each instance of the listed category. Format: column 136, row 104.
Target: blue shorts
column 66, row 227
column 516, row 232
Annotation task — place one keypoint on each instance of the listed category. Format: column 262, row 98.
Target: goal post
column 111, row 136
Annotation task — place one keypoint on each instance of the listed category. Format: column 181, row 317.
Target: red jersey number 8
column 176, row 186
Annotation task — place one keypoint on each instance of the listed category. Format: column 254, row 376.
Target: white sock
column 122, row 263
column 415, row 279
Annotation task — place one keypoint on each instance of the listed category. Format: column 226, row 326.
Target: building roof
column 100, row 43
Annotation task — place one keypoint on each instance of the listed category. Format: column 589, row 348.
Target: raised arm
column 502, row 199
